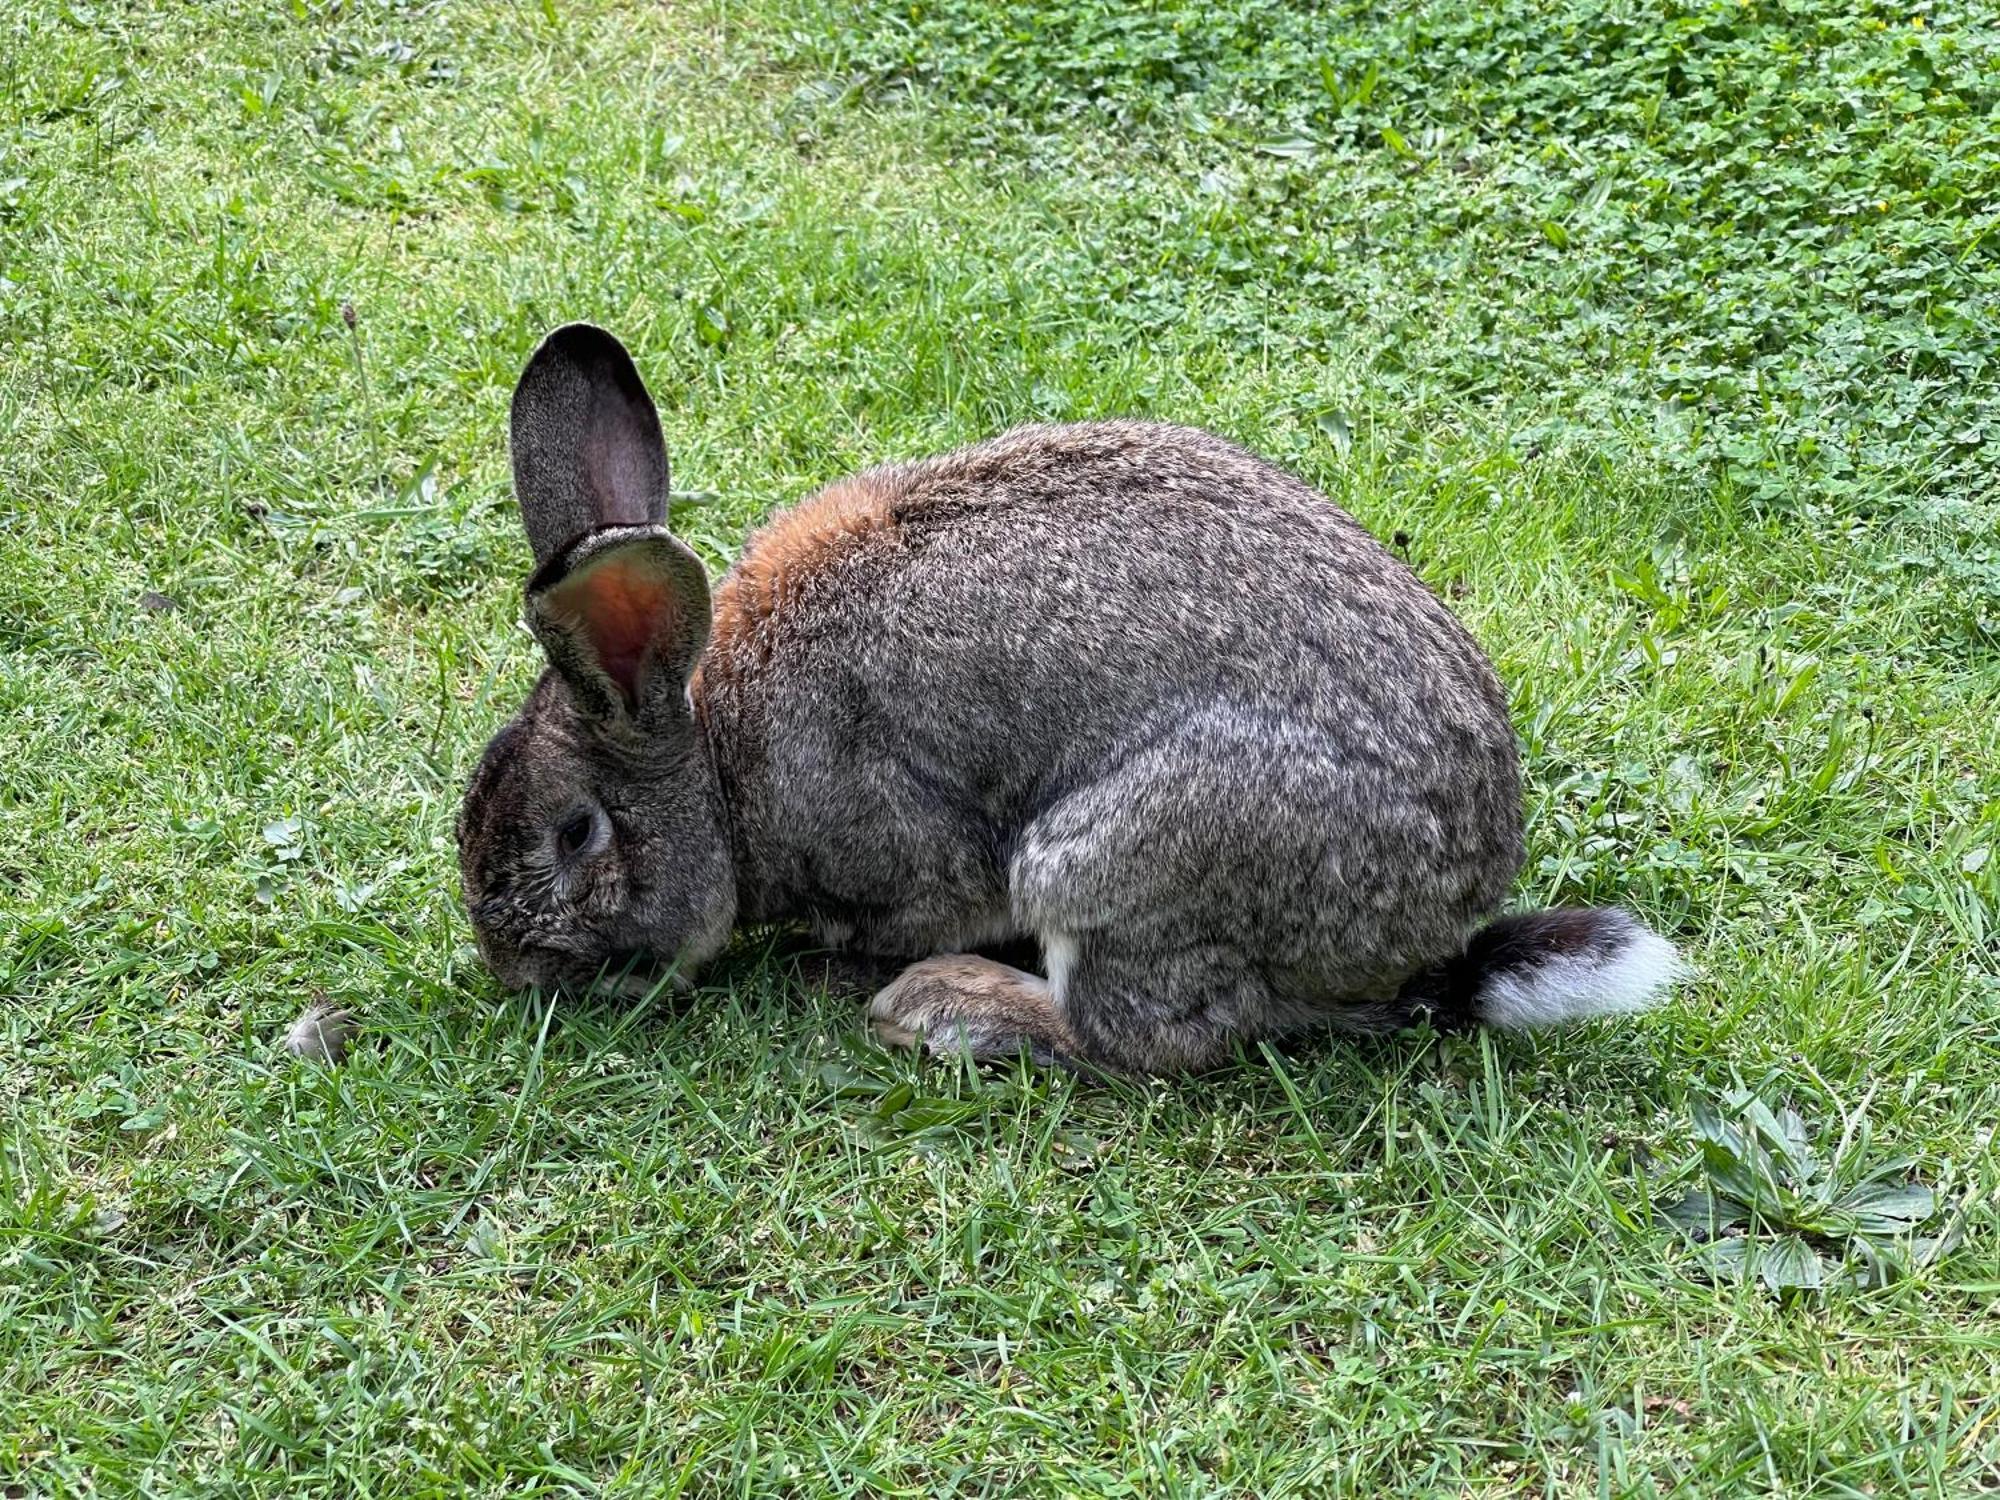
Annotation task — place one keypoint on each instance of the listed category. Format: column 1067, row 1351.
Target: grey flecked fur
column 1119, row 688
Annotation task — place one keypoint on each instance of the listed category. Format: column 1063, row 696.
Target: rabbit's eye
column 573, row 834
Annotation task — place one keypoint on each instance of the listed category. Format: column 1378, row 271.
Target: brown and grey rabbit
column 1120, row 690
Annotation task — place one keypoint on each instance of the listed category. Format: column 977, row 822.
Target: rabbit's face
column 593, row 831
column 581, row 852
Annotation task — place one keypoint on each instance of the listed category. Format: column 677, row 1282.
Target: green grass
column 1663, row 335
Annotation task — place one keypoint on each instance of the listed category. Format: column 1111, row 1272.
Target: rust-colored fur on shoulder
column 785, row 556
column 798, row 547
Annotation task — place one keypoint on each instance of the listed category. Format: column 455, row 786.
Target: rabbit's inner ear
column 620, row 607
column 635, row 614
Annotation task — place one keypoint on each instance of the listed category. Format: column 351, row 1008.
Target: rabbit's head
column 593, row 830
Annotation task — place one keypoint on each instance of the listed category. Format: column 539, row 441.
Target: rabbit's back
column 1025, row 600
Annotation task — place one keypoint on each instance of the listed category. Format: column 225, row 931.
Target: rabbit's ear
column 586, row 441
column 623, row 615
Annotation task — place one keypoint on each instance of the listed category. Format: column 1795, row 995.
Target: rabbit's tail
column 1544, row 967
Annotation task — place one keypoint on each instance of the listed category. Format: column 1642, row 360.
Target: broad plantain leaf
column 1784, row 1264
column 1708, row 1214
column 1788, row 1263
column 1888, row 1208
column 1736, row 1164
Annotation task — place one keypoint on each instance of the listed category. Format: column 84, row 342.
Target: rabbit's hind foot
column 964, row 1005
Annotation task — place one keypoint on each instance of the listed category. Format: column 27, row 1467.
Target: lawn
column 1665, row 340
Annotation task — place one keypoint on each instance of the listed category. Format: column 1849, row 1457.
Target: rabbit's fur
column 1120, row 688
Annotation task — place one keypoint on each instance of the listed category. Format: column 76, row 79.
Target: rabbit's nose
column 505, row 961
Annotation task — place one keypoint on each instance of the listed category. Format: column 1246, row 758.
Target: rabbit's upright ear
column 586, row 442
column 623, row 615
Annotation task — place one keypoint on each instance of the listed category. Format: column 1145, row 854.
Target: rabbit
column 1118, row 689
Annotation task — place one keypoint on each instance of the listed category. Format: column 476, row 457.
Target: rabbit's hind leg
column 1180, row 899
column 961, row 1004
column 1186, row 902
column 1149, row 1003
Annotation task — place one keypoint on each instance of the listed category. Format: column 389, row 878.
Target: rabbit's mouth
column 629, row 973
column 638, row 974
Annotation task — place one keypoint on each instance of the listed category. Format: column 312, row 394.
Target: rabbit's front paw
column 962, row 1003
